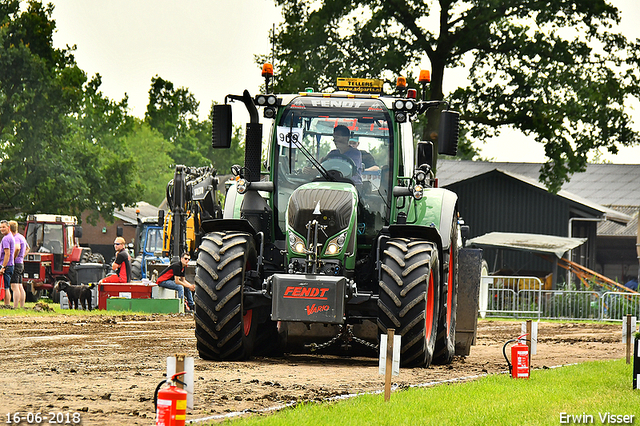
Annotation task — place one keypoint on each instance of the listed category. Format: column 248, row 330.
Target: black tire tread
column 402, row 306
column 220, row 275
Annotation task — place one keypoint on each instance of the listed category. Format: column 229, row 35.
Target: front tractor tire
column 409, row 298
column 225, row 330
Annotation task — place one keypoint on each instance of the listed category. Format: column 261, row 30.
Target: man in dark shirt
column 368, row 162
column 121, row 266
column 341, row 136
column 173, row 278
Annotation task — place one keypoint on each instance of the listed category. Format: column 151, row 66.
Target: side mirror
column 160, row 217
column 77, row 230
column 221, row 126
column 448, row 133
column 425, row 153
column 119, row 231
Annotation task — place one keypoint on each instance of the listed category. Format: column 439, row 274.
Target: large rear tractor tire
column 409, row 294
column 225, row 330
column 96, row 258
column 136, row 268
column 446, row 339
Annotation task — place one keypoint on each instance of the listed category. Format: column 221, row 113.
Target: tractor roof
column 54, row 218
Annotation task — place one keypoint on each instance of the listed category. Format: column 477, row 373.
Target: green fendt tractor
column 334, row 245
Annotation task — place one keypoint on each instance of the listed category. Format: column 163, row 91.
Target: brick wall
column 102, row 242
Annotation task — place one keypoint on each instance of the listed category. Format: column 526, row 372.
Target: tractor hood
column 329, row 205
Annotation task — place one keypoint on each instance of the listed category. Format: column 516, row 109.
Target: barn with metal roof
column 600, row 204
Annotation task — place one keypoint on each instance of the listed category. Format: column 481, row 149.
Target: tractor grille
column 32, row 269
column 336, row 208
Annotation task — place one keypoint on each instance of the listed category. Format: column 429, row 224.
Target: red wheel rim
column 450, row 290
column 246, row 321
column 429, row 308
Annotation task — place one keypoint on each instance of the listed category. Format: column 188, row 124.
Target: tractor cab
column 54, row 248
column 307, row 151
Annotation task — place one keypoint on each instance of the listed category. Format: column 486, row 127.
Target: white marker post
column 628, row 327
column 636, row 363
column 184, row 363
column 389, row 361
column 532, row 340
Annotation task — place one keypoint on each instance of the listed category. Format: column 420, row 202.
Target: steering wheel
column 341, row 164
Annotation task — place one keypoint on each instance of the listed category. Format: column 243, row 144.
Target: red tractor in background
column 54, row 254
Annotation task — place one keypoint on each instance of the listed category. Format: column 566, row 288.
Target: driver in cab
column 341, row 135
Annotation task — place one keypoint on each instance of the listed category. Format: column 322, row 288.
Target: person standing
column 173, row 278
column 7, row 249
column 21, row 248
column 121, row 266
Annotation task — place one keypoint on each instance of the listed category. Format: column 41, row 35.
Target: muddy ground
column 106, row 368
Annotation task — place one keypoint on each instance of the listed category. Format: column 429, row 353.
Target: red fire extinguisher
column 170, row 403
column 519, row 365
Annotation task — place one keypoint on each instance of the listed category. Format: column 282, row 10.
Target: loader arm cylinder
column 179, row 232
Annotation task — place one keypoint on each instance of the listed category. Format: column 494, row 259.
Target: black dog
column 77, row 292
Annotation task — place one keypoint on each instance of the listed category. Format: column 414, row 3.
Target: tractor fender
column 448, row 215
column 437, row 209
column 232, row 202
column 239, row 225
column 426, row 233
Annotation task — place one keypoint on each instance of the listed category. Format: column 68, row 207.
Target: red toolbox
column 124, row 290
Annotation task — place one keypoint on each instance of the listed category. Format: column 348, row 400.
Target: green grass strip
column 586, row 391
column 30, row 311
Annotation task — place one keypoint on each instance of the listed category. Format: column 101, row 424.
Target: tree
column 173, row 112
column 552, row 69
column 170, row 109
column 152, row 160
column 59, row 136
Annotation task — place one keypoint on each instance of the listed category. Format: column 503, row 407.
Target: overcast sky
column 208, row 46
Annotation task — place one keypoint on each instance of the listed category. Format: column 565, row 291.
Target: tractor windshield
column 45, row 238
column 154, row 240
column 306, row 150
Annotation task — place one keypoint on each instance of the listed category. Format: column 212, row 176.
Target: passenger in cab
column 368, row 162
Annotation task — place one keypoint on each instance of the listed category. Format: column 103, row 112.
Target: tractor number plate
column 308, row 298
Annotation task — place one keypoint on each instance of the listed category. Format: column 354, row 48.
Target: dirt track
column 106, row 368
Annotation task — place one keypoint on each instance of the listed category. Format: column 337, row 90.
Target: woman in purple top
column 21, row 248
column 7, row 249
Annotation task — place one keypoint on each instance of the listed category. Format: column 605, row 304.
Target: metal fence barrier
column 615, row 305
column 524, row 297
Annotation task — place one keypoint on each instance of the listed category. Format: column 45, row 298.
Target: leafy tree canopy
column 152, row 159
column 552, row 69
column 60, row 138
column 173, row 113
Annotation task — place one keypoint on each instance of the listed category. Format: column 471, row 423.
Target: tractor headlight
column 264, row 100
column 296, row 244
column 332, row 249
column 409, row 105
column 242, row 186
column 269, row 112
column 418, row 192
column 335, row 245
